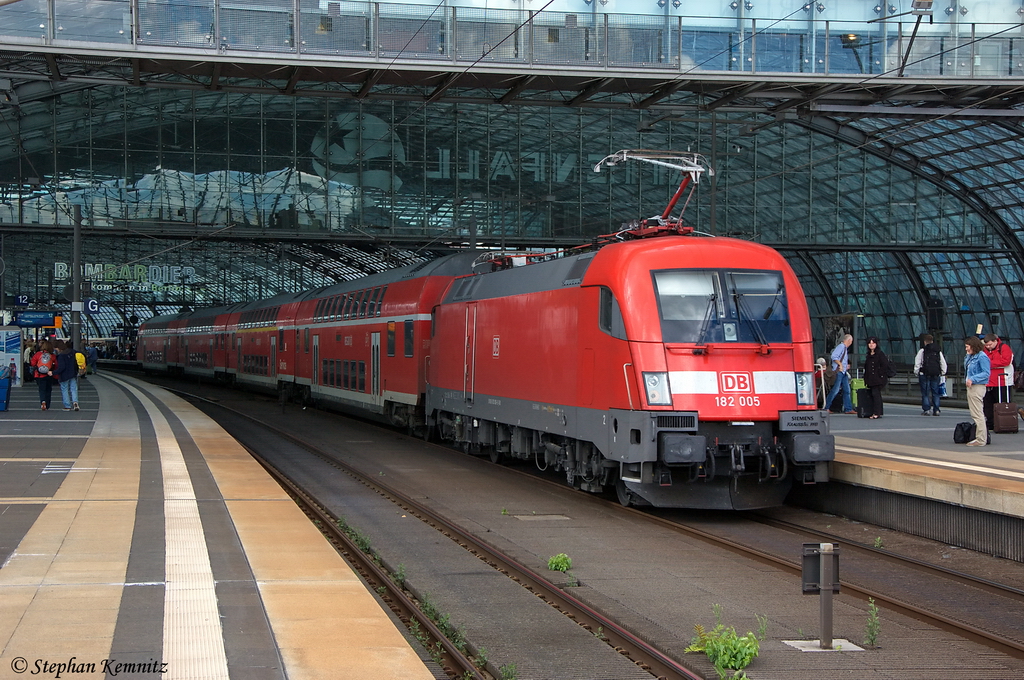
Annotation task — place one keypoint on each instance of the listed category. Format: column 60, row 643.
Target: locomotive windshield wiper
column 745, row 315
column 708, row 315
column 771, row 307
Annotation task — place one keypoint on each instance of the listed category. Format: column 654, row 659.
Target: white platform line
column 193, row 637
column 933, row 462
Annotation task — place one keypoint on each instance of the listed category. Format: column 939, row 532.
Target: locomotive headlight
column 658, row 390
column 805, row 389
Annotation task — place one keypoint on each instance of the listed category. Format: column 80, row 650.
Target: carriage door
column 375, row 391
column 273, row 355
column 315, row 373
column 469, row 367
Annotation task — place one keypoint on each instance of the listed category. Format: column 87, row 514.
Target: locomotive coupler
column 736, row 454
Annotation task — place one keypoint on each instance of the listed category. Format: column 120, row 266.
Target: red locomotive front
column 677, row 368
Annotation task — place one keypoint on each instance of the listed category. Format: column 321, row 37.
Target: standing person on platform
column 977, row 370
column 44, row 363
column 92, row 355
column 27, row 372
column 841, row 365
column 877, row 370
column 929, row 367
column 67, row 374
column 1000, row 358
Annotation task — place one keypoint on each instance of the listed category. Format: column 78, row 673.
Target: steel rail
column 454, row 662
column 1000, row 643
column 990, row 639
column 621, row 639
column 934, row 569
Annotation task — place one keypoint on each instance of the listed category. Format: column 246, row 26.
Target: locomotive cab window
column 705, row 306
column 610, row 316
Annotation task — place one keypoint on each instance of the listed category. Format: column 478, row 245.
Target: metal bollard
column 825, row 585
column 821, row 577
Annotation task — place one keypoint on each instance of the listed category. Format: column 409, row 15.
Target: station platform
column 138, row 539
column 909, row 453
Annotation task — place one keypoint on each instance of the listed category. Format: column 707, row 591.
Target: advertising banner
column 10, row 354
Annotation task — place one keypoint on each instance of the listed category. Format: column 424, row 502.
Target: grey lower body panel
column 666, row 459
column 721, row 493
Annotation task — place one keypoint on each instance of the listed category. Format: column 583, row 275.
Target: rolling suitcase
column 864, row 403
column 1004, row 414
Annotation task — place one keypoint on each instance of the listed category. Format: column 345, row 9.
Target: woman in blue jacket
column 977, row 369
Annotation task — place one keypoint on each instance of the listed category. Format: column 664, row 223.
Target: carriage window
column 364, row 301
column 409, row 351
column 391, row 338
column 353, row 312
column 362, row 376
column 372, row 310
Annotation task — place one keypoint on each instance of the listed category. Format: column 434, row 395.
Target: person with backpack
column 930, row 367
column 44, row 364
column 67, row 374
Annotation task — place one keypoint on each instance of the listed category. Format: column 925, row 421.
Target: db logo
column 736, row 382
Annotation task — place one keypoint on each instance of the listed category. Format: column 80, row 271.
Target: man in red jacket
column 1000, row 388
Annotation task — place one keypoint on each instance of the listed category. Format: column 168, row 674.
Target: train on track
column 675, row 368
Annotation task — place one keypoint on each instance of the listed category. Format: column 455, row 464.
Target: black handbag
column 964, row 432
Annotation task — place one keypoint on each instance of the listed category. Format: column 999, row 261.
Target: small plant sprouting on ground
column 457, row 635
column 362, row 541
column 508, row 672
column 504, row 511
column 599, row 633
column 725, row 649
column 399, row 576
column 762, row 626
column 481, row 657
column 874, row 625
column 878, row 542
column 560, row 562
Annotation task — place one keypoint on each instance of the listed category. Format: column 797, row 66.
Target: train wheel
column 624, row 495
column 497, row 457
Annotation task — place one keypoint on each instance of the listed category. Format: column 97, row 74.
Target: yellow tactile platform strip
column 193, row 638
column 325, row 622
column 1000, row 491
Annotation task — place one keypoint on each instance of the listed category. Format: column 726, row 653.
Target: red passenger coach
column 675, row 368
column 359, row 346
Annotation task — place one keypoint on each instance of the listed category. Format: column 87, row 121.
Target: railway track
column 857, row 579
column 455, row 662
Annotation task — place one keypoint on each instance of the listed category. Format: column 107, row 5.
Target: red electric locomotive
column 676, row 368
